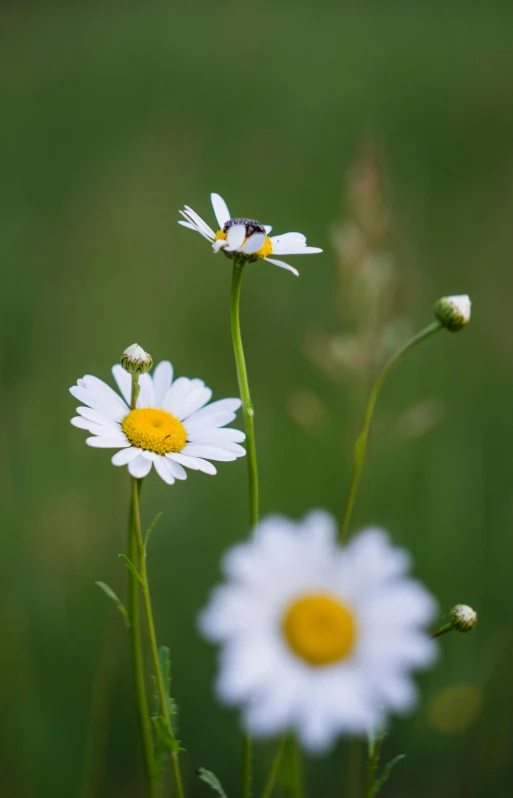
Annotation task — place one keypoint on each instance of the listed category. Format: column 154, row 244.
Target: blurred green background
column 113, row 116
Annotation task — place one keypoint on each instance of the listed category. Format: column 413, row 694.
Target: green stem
column 247, row 407
column 249, row 415
column 361, row 443
column 137, row 657
column 145, row 589
column 372, row 765
column 271, row 779
column 297, row 779
column 443, row 630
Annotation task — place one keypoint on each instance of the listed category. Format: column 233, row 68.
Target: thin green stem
column 372, row 765
column 271, row 779
column 297, row 776
column 247, row 406
column 249, row 416
column 361, row 443
column 137, row 656
column 145, row 589
column 443, row 630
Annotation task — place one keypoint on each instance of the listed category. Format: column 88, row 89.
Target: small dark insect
column 252, row 226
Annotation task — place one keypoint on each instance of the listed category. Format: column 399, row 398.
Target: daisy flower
column 172, row 426
column 318, row 638
column 246, row 240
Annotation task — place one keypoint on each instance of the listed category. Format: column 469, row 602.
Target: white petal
column 288, row 239
column 219, row 435
column 220, row 209
column 213, row 421
column 161, row 467
column 104, row 430
column 162, row 379
column 196, row 229
column 97, row 417
column 194, row 401
column 146, row 397
column 177, row 470
column 254, row 243
column 283, row 265
column 208, row 452
column 139, row 467
column 110, row 409
column 268, row 228
column 235, row 237
column 194, row 463
column 214, row 409
column 176, row 394
column 101, row 442
column 124, row 456
column 227, row 446
column 123, row 381
column 101, row 388
column 200, row 223
column 219, row 244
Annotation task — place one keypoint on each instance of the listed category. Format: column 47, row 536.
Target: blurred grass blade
column 385, row 774
column 151, row 528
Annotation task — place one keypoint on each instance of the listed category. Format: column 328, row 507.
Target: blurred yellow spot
column 319, row 629
column 307, row 410
column 154, row 430
column 220, row 235
column 455, row 709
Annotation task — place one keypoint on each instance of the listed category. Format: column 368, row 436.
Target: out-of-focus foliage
column 113, row 116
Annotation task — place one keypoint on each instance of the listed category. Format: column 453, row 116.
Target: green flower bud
column 453, row 311
column 135, row 360
column 463, row 618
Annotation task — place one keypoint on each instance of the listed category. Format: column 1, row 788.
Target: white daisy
column 318, row 638
column 171, row 427
column 246, row 240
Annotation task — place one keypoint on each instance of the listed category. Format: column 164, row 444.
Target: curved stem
column 443, row 630
column 247, row 406
column 249, row 415
column 269, row 785
column 145, row 589
column 361, row 443
column 136, row 651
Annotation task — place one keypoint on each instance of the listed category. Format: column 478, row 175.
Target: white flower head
column 135, row 360
column 454, row 311
column 318, row 638
column 172, row 425
column 246, row 240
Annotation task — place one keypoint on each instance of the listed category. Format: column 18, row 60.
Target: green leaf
column 115, row 598
column 165, row 740
column 385, row 774
column 151, row 528
column 131, row 567
column 211, row 779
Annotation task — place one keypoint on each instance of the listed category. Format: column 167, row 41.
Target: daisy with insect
column 246, row 240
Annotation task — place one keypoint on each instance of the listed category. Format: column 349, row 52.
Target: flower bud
column 463, row 618
column 453, row 311
column 135, row 360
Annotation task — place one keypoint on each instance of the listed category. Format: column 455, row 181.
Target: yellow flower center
column 154, row 430
column 264, row 251
column 319, row 629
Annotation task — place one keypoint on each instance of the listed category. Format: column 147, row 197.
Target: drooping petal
column 139, row 467
column 194, row 463
column 283, row 265
column 124, row 456
column 161, row 467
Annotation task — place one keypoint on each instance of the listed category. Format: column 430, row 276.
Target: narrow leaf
column 131, row 567
column 151, row 528
column 385, row 774
column 115, row 598
column 211, row 779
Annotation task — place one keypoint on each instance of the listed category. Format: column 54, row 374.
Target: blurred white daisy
column 171, row 427
column 318, row 638
column 246, row 240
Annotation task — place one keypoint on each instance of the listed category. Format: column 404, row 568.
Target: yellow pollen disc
column 319, row 629
column 154, row 430
column 266, row 249
column 220, row 235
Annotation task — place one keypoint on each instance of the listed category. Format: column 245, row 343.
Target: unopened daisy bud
column 135, row 360
column 463, row 618
column 454, row 311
